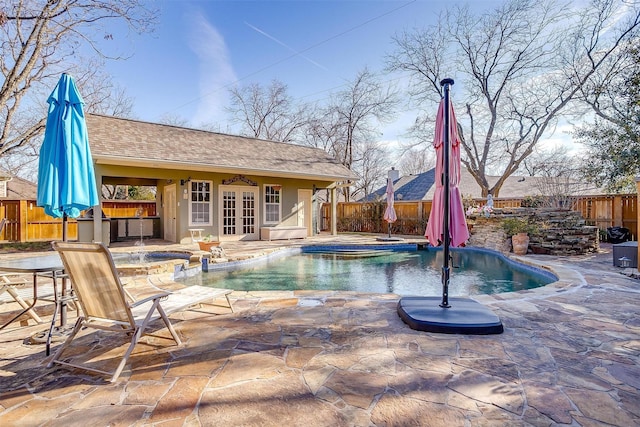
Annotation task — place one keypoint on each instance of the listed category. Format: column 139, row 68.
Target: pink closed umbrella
column 447, row 225
column 458, row 231
column 390, row 212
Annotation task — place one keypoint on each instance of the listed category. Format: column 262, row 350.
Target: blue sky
column 201, row 48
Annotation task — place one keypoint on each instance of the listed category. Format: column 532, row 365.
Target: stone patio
column 569, row 356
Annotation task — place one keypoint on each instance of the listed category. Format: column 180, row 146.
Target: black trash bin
column 618, row 234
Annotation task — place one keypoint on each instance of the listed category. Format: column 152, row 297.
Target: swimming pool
column 398, row 269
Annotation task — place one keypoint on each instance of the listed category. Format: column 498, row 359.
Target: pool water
column 406, row 272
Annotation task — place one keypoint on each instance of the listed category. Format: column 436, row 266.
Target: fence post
column 23, row 221
column 617, row 211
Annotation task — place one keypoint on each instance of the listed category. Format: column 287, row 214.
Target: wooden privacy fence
column 618, row 210
column 27, row 222
column 366, row 217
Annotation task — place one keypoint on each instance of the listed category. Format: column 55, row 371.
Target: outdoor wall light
column 624, row 262
column 184, row 181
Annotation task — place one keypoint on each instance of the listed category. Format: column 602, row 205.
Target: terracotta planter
column 206, row 246
column 520, row 243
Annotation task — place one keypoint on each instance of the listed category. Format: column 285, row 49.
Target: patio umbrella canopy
column 447, row 225
column 66, row 179
column 458, row 231
column 390, row 212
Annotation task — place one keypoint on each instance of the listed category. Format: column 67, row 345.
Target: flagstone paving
column 569, row 356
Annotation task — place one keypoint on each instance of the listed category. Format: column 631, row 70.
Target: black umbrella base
column 465, row 316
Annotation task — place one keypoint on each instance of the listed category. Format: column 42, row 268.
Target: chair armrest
column 149, row 298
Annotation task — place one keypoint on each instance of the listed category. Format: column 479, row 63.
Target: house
column 16, row 188
column 17, row 196
column 422, row 187
column 207, row 183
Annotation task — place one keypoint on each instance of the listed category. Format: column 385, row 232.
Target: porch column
column 97, row 211
column 97, row 224
column 334, row 212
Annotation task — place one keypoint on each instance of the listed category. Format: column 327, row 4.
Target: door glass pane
column 229, row 213
column 248, row 212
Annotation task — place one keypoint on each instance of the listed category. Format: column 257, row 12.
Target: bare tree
column 363, row 105
column 371, row 165
column 99, row 93
column 174, row 120
column 558, row 177
column 355, row 114
column 41, row 39
column 520, row 67
column 322, row 130
column 417, row 160
column 266, row 113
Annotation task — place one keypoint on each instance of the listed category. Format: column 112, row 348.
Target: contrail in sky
column 285, row 45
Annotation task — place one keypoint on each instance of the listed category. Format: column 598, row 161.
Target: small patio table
column 49, row 266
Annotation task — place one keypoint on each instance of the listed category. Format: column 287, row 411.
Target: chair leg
column 229, row 302
column 167, row 322
column 65, row 344
column 134, row 340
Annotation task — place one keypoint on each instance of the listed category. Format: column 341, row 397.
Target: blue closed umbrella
column 66, row 180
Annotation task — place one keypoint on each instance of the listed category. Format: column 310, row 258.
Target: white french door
column 239, row 212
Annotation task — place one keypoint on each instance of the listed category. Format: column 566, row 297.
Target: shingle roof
column 20, row 189
column 410, row 187
column 422, row 187
column 124, row 141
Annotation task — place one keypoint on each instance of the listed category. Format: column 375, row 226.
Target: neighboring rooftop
column 18, row 188
column 422, row 187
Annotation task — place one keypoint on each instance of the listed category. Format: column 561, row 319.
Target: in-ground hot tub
column 154, row 262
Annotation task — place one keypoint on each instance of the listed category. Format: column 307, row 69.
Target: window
column 272, row 205
column 3, row 188
column 200, row 208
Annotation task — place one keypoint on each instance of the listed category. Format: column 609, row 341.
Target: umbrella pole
column 63, row 303
column 389, row 224
column 64, row 227
column 446, row 84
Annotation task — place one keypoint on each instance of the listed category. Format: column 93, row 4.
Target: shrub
column 515, row 225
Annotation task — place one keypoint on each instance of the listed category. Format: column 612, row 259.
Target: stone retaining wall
column 561, row 232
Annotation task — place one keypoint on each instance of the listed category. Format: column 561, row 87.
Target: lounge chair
column 105, row 305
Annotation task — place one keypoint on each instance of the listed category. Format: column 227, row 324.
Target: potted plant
column 207, row 243
column 518, row 229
